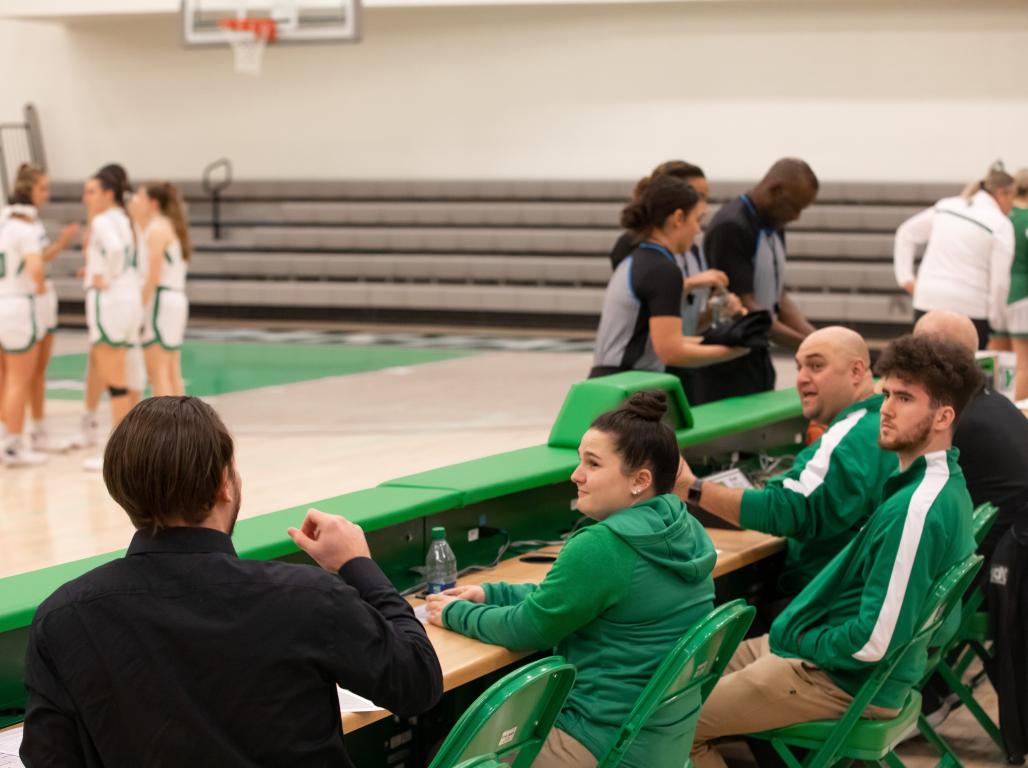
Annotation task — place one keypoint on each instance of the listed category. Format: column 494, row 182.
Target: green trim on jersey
column 965, row 218
column 157, row 338
column 826, row 497
column 35, row 331
column 1019, row 267
column 104, row 338
column 868, row 600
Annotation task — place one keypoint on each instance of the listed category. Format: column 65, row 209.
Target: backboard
column 298, row 21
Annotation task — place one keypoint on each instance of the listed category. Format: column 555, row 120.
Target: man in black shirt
column 182, row 654
column 992, row 435
column 746, row 240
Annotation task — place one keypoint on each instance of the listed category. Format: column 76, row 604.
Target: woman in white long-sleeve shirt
column 970, row 245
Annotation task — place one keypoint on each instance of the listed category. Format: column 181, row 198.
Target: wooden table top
column 464, row 659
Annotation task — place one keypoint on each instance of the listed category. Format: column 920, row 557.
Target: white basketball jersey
column 173, row 267
column 112, row 251
column 18, row 238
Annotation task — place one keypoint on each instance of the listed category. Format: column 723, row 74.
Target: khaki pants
column 760, row 691
column 562, row 751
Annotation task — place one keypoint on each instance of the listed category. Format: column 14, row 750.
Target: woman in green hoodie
column 621, row 593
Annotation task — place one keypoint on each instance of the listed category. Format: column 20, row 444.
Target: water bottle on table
column 440, row 563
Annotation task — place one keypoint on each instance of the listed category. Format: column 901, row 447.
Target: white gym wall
column 904, row 91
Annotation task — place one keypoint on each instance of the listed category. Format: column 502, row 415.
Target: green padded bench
column 493, row 476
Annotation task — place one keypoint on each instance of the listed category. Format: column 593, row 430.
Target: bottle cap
column 439, row 532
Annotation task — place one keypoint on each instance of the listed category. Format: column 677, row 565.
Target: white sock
column 37, row 427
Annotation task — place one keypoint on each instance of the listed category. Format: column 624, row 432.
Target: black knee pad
column 117, row 391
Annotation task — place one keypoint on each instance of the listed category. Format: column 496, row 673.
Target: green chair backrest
column 982, row 518
column 512, row 718
column 485, row 761
column 943, row 599
column 695, row 663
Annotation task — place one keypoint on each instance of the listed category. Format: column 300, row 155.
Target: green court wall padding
column 588, row 399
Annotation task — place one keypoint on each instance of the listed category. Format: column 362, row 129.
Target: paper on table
column 351, row 702
column 10, row 743
column 422, row 613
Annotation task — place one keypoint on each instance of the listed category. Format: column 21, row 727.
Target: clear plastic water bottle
column 440, row 563
column 717, row 304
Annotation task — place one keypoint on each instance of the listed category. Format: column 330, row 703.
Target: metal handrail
column 214, row 189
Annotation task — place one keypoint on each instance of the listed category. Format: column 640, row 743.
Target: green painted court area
column 216, row 368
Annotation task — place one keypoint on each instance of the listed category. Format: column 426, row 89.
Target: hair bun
column 648, row 406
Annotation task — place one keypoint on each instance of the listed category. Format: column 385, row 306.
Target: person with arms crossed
column 181, row 653
column 746, row 241
column 621, row 593
column 834, row 484
column 868, row 599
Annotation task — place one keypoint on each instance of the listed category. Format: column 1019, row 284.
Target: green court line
column 216, row 368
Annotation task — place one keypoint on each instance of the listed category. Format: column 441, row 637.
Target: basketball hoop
column 248, row 38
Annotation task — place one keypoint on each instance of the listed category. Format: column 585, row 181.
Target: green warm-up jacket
column 826, row 497
column 868, row 600
column 621, row 593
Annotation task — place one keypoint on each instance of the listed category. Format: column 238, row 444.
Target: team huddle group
column 136, row 247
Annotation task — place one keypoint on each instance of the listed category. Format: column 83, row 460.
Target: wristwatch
column 695, row 491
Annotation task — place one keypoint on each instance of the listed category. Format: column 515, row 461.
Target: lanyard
column 772, row 238
column 659, row 249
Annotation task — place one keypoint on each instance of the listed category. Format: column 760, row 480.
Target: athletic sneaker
column 89, row 436
column 17, row 455
column 46, row 443
column 94, row 463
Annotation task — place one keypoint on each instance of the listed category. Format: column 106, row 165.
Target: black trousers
column 746, row 375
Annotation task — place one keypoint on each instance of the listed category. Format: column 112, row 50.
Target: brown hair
column 24, row 181
column 661, row 197
column 641, row 439
column 170, row 202
column 946, row 369
column 677, row 168
column 1021, row 180
column 166, row 461
column 996, row 178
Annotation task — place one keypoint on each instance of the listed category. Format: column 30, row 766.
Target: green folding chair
column 952, row 660
column 694, row 664
column 510, row 721
column 485, row 761
column 852, row 737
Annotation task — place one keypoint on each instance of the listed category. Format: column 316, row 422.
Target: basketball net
column 249, row 37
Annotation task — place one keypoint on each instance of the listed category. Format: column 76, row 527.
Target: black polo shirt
column 648, row 283
column 181, row 654
column 752, row 254
column 992, row 435
column 623, row 247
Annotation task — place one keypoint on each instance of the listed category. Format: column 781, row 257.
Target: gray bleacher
column 490, row 252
